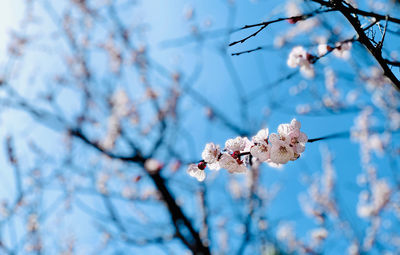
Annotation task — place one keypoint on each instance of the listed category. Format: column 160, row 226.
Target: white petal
column 261, row 136
column 210, row 153
column 192, row 169
column 273, row 138
column 214, row 166
column 302, row 138
column 283, row 129
column 295, row 124
column 260, row 152
column 281, row 153
column 201, row 175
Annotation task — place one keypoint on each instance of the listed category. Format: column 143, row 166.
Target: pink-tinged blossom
column 196, row 172
column 292, row 135
column 274, row 149
column 232, row 164
column 237, row 144
column 261, row 152
column 281, row 152
column 299, row 57
column 210, row 155
column 261, row 148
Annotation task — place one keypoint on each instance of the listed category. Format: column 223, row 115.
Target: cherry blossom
column 291, row 133
column 210, row 155
column 237, row 144
column 261, row 148
column 281, row 152
column 342, row 50
column 274, row 149
column 194, row 171
column 299, row 57
column 233, row 165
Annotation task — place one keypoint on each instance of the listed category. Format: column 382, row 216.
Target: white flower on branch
column 323, row 49
column 210, row 155
column 299, row 57
column 233, row 165
column 196, row 172
column 342, row 50
column 281, row 152
column 261, row 149
column 237, row 144
column 291, row 133
column 274, row 149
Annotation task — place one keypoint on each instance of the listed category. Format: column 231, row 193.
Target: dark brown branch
column 392, row 63
column 246, row 51
column 345, row 134
column 263, row 25
column 363, row 38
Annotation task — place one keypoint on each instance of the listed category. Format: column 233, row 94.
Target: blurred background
column 105, row 103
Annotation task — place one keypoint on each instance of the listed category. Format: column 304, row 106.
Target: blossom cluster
column 299, row 57
column 276, row 148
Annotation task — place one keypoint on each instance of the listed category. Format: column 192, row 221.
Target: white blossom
column 319, row 234
column 261, row 149
column 231, row 164
column 292, row 9
column 292, row 135
column 281, row 152
column 342, row 50
column 120, row 103
column 370, row 205
column 152, row 165
column 274, row 149
column 194, row 171
column 261, row 152
column 237, row 144
column 322, row 49
column 210, row 153
column 299, row 57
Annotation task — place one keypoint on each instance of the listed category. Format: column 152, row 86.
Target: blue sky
column 220, row 76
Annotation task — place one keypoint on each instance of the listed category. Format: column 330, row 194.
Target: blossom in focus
column 291, row 133
column 237, row 144
column 194, row 171
column 274, row 149
column 210, row 155
column 261, row 148
column 231, row 164
column 281, row 152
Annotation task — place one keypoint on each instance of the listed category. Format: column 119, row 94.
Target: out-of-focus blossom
column 299, row 57
column 342, row 50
